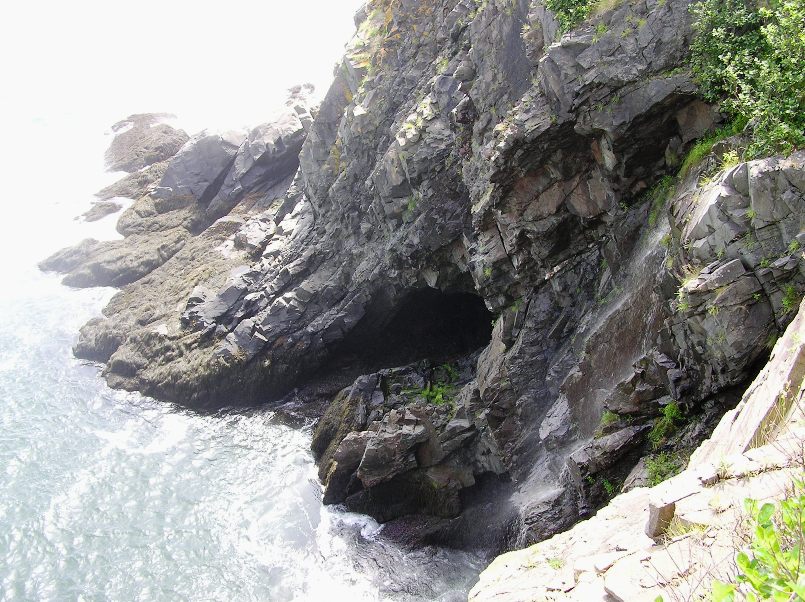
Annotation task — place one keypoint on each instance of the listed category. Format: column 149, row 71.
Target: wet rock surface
column 468, row 262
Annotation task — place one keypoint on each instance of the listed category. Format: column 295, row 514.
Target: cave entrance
column 424, row 324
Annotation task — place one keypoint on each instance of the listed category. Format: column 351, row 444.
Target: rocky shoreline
column 476, row 263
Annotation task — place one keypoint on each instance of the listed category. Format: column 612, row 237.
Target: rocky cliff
column 476, row 261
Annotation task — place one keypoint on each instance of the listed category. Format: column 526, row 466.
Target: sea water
column 109, row 495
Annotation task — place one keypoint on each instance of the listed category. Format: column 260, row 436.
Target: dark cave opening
column 424, row 324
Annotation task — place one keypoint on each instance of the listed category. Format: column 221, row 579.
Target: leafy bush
column 750, row 55
column 665, row 424
column 569, row 12
column 772, row 568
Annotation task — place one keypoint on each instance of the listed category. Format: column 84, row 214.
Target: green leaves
column 570, row 12
column 773, row 568
column 723, row 592
column 751, row 58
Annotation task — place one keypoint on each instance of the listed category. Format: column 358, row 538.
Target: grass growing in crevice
column 662, row 466
column 658, row 195
column 704, row 146
column 791, row 298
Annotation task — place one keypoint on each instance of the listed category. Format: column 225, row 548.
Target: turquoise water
column 108, row 495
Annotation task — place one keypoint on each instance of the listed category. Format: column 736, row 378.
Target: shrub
column 569, row 12
column 665, row 424
column 749, row 54
column 772, row 568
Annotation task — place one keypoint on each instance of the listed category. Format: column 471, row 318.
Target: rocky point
column 475, row 263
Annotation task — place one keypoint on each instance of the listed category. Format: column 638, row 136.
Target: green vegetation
column 678, row 528
column 682, row 301
column 793, row 246
column 442, row 64
column 608, row 418
column 748, row 54
column 658, row 195
column 438, row 393
column 449, row 371
column 441, row 389
column 556, row 563
column 410, row 208
column 730, row 159
column 570, row 13
column 772, row 567
column 611, row 488
column 666, row 424
column 790, row 298
column 704, row 146
column 662, row 466
column 600, row 31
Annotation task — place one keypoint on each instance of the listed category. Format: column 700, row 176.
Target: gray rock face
column 266, row 157
column 100, row 210
column 462, row 164
column 142, row 142
column 198, row 168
